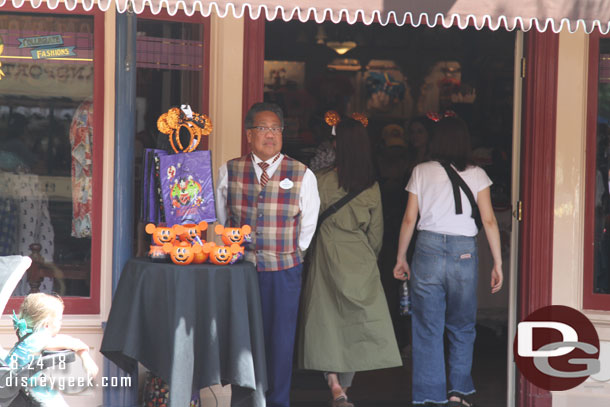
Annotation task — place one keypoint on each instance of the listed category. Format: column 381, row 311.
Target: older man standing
column 278, row 197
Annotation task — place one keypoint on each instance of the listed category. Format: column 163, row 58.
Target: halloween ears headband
column 436, row 117
column 197, row 124
column 332, row 118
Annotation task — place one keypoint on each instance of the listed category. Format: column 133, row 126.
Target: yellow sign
column 44, row 53
column 1, row 51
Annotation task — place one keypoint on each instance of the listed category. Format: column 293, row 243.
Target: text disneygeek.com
column 65, row 382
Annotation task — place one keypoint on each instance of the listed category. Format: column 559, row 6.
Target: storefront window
column 46, row 149
column 601, row 229
column 170, row 72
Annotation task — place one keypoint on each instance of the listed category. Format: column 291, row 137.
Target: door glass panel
column 602, row 198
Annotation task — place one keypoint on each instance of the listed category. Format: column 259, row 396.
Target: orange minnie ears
column 197, row 124
column 332, row 118
column 436, row 117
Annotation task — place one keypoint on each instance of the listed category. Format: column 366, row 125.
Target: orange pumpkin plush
column 202, row 255
column 182, row 253
column 233, row 235
column 190, row 231
column 221, row 255
column 161, row 234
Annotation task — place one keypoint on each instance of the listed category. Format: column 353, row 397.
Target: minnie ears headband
column 436, row 117
column 332, row 118
column 197, row 124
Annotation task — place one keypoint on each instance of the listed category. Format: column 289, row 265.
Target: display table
column 194, row 326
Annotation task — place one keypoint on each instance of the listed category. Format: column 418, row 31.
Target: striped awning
column 525, row 15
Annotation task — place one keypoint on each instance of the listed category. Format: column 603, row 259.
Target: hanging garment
column 81, row 140
column 9, row 213
column 33, row 223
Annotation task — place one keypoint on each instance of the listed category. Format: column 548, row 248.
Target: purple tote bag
column 187, row 187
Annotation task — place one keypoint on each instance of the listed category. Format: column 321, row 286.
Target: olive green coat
column 345, row 323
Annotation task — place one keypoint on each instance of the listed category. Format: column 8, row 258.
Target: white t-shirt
column 432, row 186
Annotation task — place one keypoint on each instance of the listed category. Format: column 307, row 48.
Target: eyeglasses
column 263, row 129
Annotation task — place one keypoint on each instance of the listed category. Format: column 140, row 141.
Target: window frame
column 91, row 304
column 592, row 300
column 196, row 18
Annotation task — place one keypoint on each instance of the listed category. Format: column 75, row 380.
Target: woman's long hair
column 354, row 162
column 450, row 143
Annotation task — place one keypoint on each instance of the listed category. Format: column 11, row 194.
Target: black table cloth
column 194, row 326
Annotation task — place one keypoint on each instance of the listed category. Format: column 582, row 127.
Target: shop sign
column 46, row 47
column 44, row 41
column 58, row 52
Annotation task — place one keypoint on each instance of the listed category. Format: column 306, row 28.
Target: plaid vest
column 272, row 212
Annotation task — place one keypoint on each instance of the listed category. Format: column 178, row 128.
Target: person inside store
column 418, row 133
column 443, row 272
column 278, row 197
column 345, row 321
column 393, row 160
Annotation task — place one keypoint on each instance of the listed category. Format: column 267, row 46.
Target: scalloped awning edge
column 367, row 14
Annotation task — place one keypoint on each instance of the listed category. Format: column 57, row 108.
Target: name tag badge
column 286, row 183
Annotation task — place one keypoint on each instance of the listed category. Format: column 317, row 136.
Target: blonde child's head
column 41, row 310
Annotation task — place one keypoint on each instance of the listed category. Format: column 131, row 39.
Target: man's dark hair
column 263, row 107
column 450, row 143
column 353, row 158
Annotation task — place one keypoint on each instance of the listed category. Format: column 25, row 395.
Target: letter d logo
column 556, row 348
column 525, row 332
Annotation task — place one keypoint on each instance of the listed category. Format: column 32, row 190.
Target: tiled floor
column 392, row 387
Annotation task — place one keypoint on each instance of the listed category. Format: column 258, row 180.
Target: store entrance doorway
column 399, row 77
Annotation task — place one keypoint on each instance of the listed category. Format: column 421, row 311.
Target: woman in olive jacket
column 346, row 325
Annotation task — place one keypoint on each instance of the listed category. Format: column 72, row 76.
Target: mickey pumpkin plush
column 202, row 256
column 190, row 231
column 233, row 235
column 182, row 253
column 221, row 255
column 161, row 234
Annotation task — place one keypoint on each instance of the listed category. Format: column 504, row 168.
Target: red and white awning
column 541, row 15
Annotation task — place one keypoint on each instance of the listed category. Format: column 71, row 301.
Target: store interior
column 394, row 76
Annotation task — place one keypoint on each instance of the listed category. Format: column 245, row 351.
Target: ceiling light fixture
column 341, row 47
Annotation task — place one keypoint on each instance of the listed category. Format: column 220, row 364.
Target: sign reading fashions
column 44, row 41
column 59, row 52
column 46, row 46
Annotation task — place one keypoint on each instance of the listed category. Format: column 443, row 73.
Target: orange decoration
column 171, row 122
column 233, row 235
column 361, row 118
column 200, row 256
column 162, row 124
column 332, row 118
column 161, row 234
column 221, row 255
column 190, row 232
column 182, row 253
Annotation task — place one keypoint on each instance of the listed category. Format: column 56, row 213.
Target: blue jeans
column 444, row 296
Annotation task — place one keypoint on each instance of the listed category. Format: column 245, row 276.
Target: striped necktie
column 264, row 176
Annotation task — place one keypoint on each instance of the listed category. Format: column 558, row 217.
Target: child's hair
column 39, row 308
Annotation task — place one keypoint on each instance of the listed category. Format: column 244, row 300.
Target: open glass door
column 516, row 218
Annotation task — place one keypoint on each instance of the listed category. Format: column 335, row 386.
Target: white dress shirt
column 309, row 199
